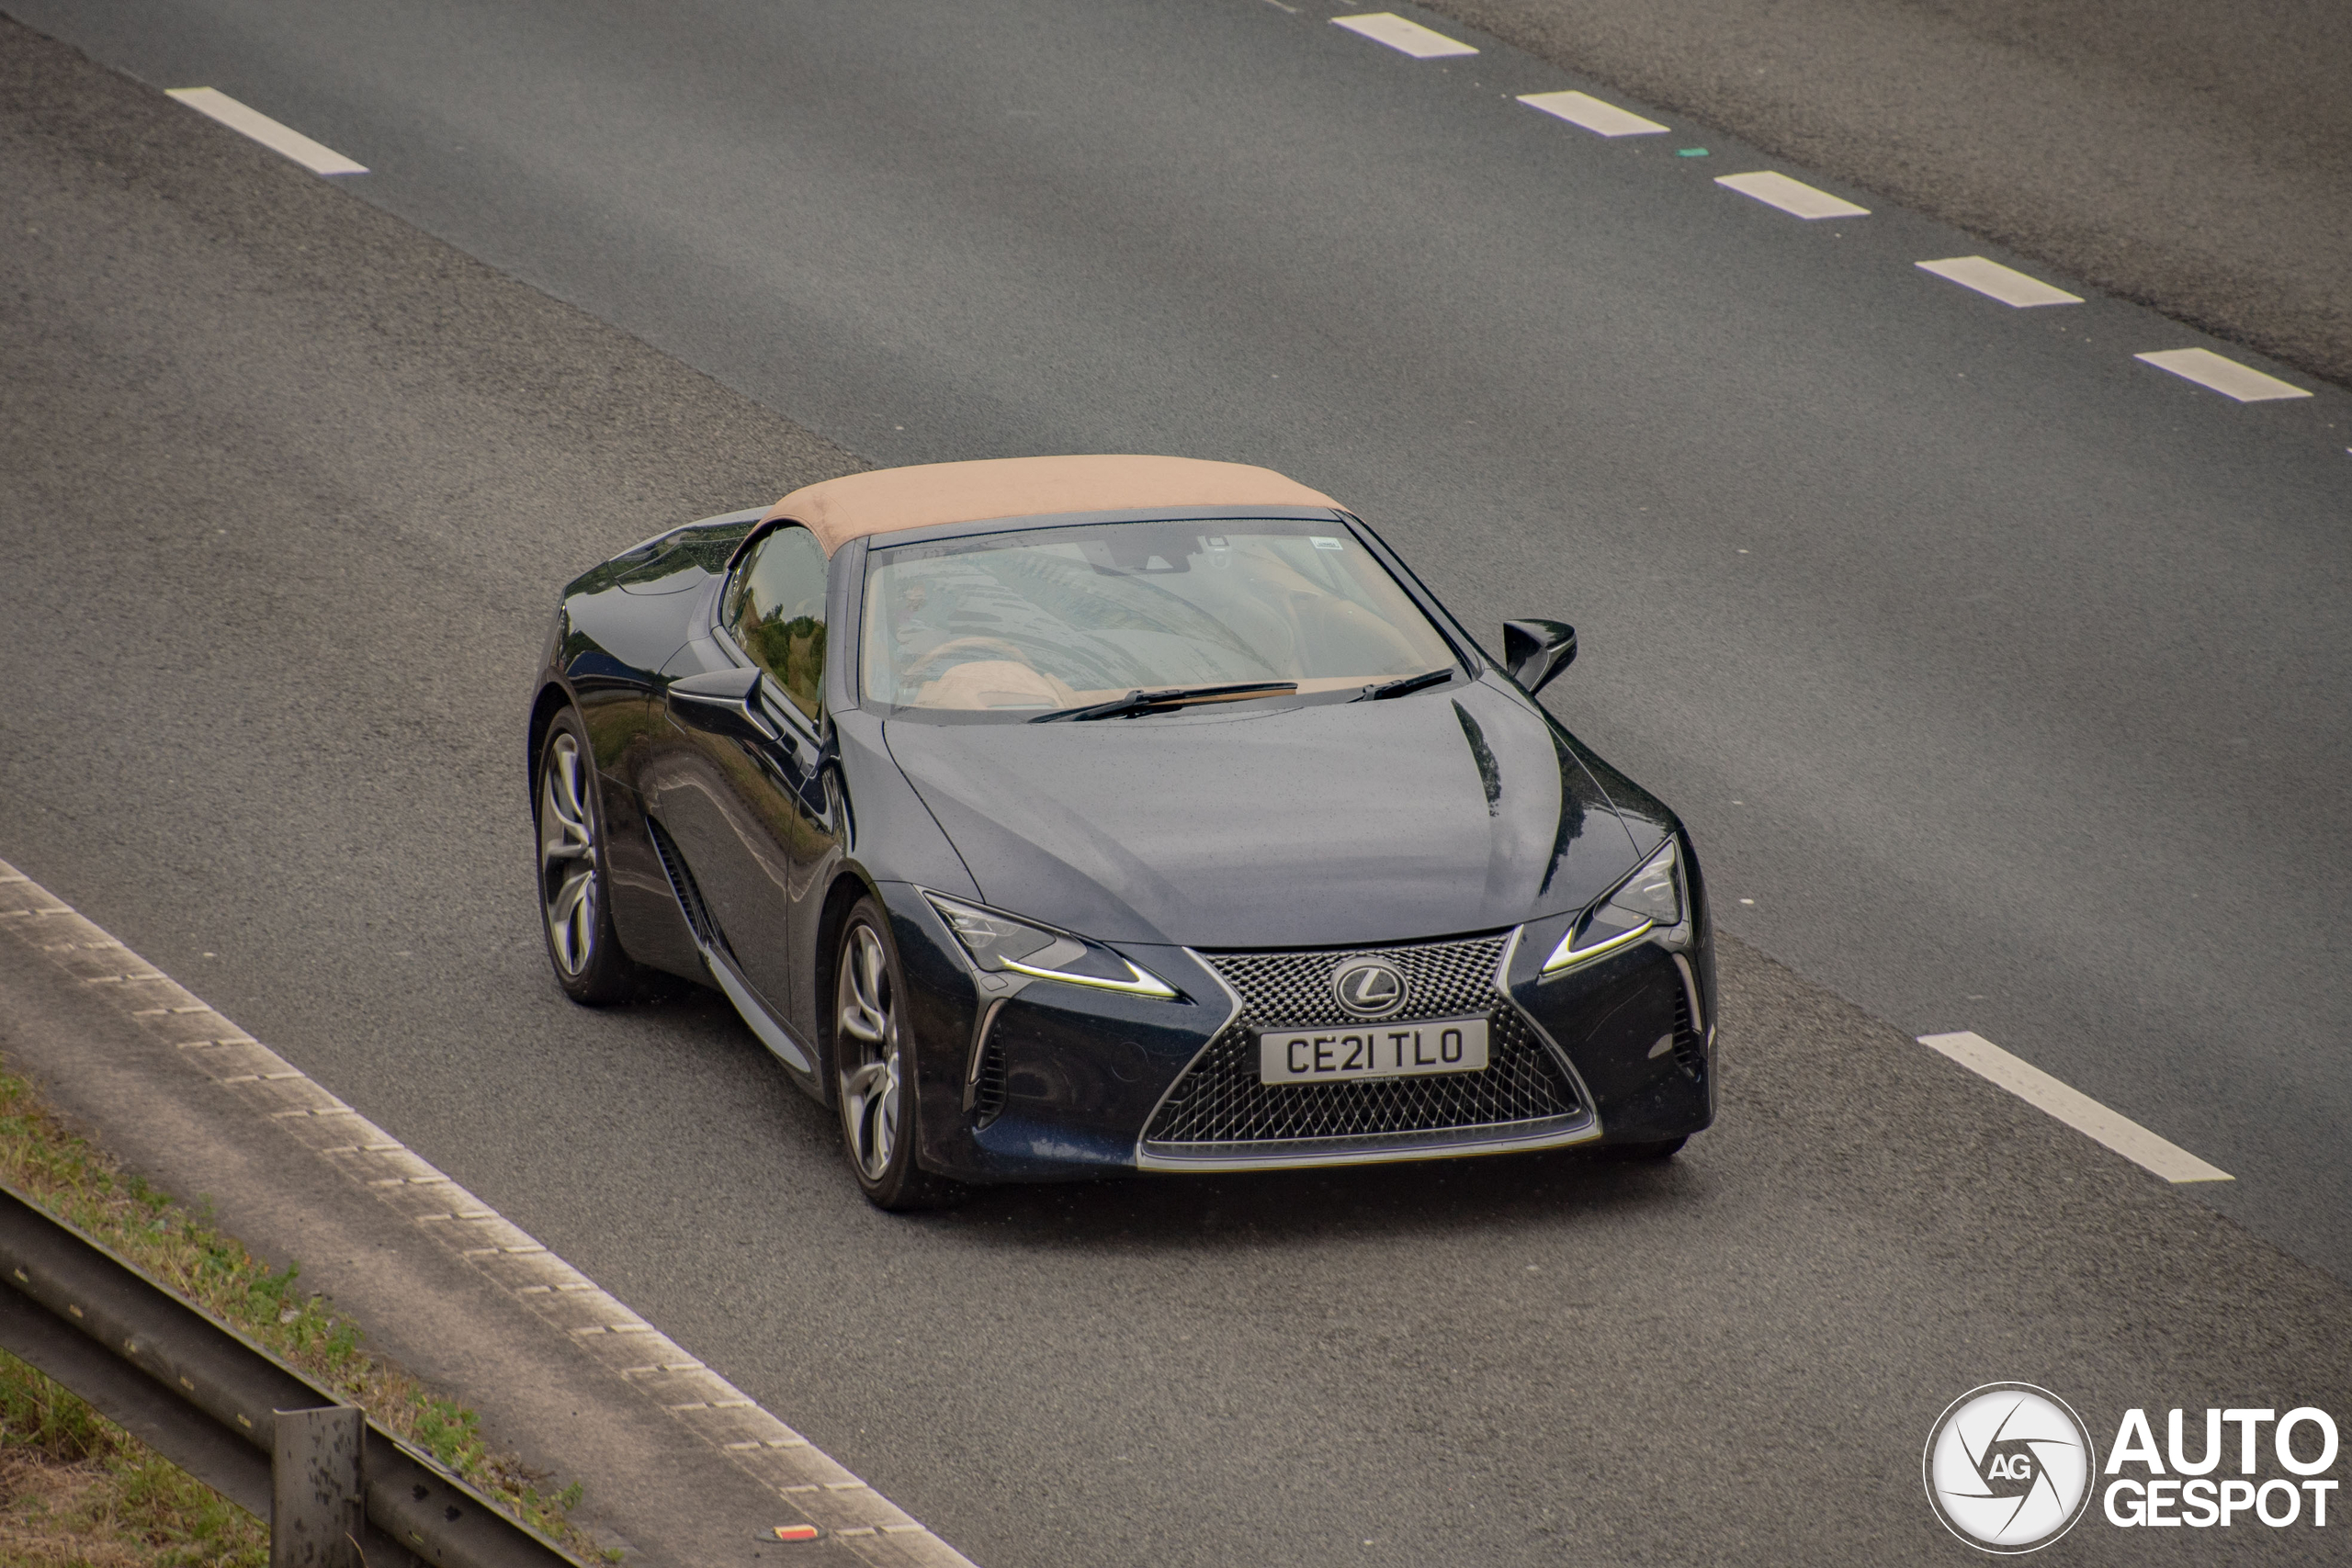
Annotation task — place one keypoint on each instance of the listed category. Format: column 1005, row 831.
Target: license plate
column 1371, row 1051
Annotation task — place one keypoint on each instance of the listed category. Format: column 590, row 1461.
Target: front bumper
column 1066, row 1082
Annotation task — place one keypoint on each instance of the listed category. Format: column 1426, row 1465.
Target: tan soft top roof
column 885, row 500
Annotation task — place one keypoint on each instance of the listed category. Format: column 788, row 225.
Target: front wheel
column 874, row 1061
column 575, row 914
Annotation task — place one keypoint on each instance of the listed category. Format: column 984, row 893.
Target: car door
column 746, row 796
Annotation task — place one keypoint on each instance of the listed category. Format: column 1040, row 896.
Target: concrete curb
column 604, row 1329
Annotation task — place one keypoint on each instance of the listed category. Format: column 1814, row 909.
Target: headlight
column 1651, row 899
column 999, row 943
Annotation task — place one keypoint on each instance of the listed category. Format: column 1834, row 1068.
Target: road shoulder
column 300, row 1178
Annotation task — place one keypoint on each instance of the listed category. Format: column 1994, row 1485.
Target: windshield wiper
column 1402, row 684
column 1140, row 700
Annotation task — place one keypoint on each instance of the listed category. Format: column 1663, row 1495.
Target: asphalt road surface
column 2022, row 713
column 2194, row 157
column 2007, row 675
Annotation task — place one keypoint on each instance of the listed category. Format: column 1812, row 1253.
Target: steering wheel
column 957, row 644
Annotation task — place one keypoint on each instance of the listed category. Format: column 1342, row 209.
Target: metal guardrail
column 209, row 1400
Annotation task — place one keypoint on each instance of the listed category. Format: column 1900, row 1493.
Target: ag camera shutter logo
column 2008, row 1467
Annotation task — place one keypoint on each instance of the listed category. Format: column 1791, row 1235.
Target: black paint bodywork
column 1463, row 808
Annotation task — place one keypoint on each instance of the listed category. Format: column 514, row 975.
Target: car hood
column 1458, row 809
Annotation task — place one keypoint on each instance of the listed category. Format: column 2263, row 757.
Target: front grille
column 1219, row 1107
column 1293, row 990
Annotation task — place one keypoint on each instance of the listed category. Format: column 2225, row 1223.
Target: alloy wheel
column 568, row 854
column 869, row 1033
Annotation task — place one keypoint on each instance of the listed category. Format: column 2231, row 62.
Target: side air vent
column 1690, row 1051
column 682, row 884
column 988, row 1089
column 984, row 1079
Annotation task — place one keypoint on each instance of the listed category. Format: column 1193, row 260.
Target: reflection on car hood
column 1455, row 809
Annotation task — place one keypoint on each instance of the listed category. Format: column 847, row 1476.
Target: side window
column 775, row 611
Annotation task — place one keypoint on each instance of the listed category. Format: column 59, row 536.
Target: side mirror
column 724, row 702
column 1535, row 651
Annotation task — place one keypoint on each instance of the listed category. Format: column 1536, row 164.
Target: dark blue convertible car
column 1060, row 816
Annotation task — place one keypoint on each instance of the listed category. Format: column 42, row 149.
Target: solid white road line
column 1791, row 195
column 2007, row 285
column 2078, row 1109
column 1601, row 119
column 1388, row 27
column 318, row 159
column 2226, row 377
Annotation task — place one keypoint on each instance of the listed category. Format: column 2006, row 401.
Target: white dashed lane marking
column 285, row 139
column 1601, row 119
column 1410, row 38
column 2226, row 377
column 2073, row 1106
column 1791, row 195
column 2007, row 285
column 1986, row 277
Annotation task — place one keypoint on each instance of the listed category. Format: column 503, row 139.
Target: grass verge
column 76, row 1491
column 60, row 1461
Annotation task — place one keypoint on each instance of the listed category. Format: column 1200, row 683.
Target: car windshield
column 1020, row 624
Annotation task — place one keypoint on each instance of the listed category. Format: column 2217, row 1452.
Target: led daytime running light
column 1567, row 955
column 1142, row 985
column 979, row 931
column 1564, row 956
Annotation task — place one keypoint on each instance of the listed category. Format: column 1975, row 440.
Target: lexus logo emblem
column 1369, row 987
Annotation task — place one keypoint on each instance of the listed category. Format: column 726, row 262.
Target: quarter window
column 775, row 611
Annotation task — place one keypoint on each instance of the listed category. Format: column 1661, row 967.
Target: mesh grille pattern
column 1219, row 1103
column 1293, row 990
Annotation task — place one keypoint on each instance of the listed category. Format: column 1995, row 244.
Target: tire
column 874, row 1067
column 575, row 903
column 1656, row 1149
